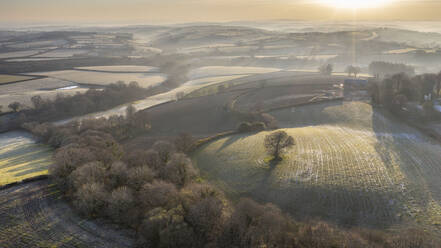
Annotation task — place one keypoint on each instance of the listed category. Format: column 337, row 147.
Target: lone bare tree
column 276, row 142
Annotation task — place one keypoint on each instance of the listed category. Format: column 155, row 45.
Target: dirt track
column 35, row 215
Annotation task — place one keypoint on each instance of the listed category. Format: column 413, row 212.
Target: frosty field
column 216, row 71
column 21, row 157
column 120, row 68
column 351, row 164
column 12, row 78
column 45, row 87
column 105, row 78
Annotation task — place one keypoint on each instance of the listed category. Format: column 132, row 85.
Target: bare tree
column 138, row 176
column 184, row 143
column 179, row 170
column 276, row 142
column 165, row 150
column 118, row 174
column 353, row 70
column 90, row 198
column 90, row 172
column 159, row 194
column 120, row 203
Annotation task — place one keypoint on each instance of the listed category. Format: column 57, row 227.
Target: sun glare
column 355, row 4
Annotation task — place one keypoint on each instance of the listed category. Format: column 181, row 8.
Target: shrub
column 270, row 121
column 258, row 126
column 121, row 205
column 138, row 176
column 67, row 159
column 165, row 150
column 90, row 172
column 159, row 194
column 206, row 217
column 184, row 143
column 244, row 127
column 167, row 228
column 118, row 174
column 255, row 225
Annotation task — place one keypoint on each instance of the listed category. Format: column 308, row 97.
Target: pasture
column 120, row 68
column 216, row 71
column 351, row 164
column 105, row 78
column 36, row 215
column 45, row 87
column 4, row 78
column 22, row 158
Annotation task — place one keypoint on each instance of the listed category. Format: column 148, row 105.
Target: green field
column 351, row 164
column 21, row 157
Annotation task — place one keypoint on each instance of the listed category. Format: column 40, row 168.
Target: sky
column 180, row 11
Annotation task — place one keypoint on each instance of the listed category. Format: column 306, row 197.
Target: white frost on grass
column 121, row 68
column 62, row 53
column 105, row 78
column 18, row 54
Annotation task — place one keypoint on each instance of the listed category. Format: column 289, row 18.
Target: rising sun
column 355, row 4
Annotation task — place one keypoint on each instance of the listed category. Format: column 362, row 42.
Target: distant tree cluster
column 395, row 91
column 93, row 100
column 382, row 69
column 245, row 127
column 120, row 127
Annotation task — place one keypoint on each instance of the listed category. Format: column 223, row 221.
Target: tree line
column 395, row 91
column 382, row 69
column 65, row 106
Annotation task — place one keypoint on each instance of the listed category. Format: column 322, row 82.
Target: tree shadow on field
column 341, row 206
column 307, row 115
column 232, row 139
column 397, row 144
column 26, row 154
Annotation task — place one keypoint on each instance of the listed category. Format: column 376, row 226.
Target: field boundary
column 305, row 103
column 200, row 142
column 24, row 181
column 32, row 77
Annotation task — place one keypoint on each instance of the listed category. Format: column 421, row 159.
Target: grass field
column 21, row 157
column 104, row 78
column 18, row 54
column 216, row 71
column 45, row 87
column 120, row 68
column 351, row 164
column 36, row 215
column 4, row 78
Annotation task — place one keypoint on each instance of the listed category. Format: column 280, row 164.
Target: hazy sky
column 157, row 11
